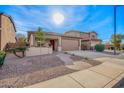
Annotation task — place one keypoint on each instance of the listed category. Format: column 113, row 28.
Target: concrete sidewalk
column 93, row 54
column 106, row 75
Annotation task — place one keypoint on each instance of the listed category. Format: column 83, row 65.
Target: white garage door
column 69, row 44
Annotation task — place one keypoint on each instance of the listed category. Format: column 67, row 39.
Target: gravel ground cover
column 22, row 72
column 34, row 77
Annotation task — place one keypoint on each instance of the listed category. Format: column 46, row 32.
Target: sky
column 83, row 18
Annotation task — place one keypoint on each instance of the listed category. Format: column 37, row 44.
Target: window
column 93, row 37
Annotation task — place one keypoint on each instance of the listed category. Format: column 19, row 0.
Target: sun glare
column 58, row 18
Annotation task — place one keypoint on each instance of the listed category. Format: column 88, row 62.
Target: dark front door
column 52, row 44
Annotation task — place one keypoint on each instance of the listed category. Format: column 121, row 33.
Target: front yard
column 21, row 72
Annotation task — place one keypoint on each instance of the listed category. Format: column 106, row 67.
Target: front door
column 52, row 42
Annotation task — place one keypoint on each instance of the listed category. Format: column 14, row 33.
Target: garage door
column 69, row 44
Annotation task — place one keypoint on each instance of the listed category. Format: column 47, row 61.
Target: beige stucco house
column 71, row 40
column 7, row 30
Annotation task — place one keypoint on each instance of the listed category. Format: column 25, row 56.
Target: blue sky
column 82, row 18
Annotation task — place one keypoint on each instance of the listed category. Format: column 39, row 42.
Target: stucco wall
column 72, row 34
column 93, row 43
column 51, row 37
column 33, row 51
column 7, row 32
column 84, row 35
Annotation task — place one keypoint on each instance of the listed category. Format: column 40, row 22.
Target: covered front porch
column 54, row 42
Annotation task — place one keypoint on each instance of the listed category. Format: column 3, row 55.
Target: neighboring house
column 7, row 30
column 88, row 39
column 109, row 46
column 71, row 40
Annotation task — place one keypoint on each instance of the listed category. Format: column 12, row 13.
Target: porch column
column 79, row 44
column 59, row 44
column 32, row 40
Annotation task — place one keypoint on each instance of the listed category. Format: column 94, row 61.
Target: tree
column 40, row 36
column 122, row 46
column 117, row 43
column 21, row 39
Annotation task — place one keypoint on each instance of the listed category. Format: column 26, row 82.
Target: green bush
column 99, row 47
column 2, row 57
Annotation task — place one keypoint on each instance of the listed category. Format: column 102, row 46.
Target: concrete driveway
column 93, row 54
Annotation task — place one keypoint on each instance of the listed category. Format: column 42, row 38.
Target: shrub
column 2, row 57
column 99, row 47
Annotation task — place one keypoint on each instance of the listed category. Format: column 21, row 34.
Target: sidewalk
column 105, row 75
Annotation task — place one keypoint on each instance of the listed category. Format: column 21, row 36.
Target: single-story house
column 7, row 30
column 109, row 46
column 70, row 40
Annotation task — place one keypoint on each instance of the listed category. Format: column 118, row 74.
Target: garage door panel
column 69, row 44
